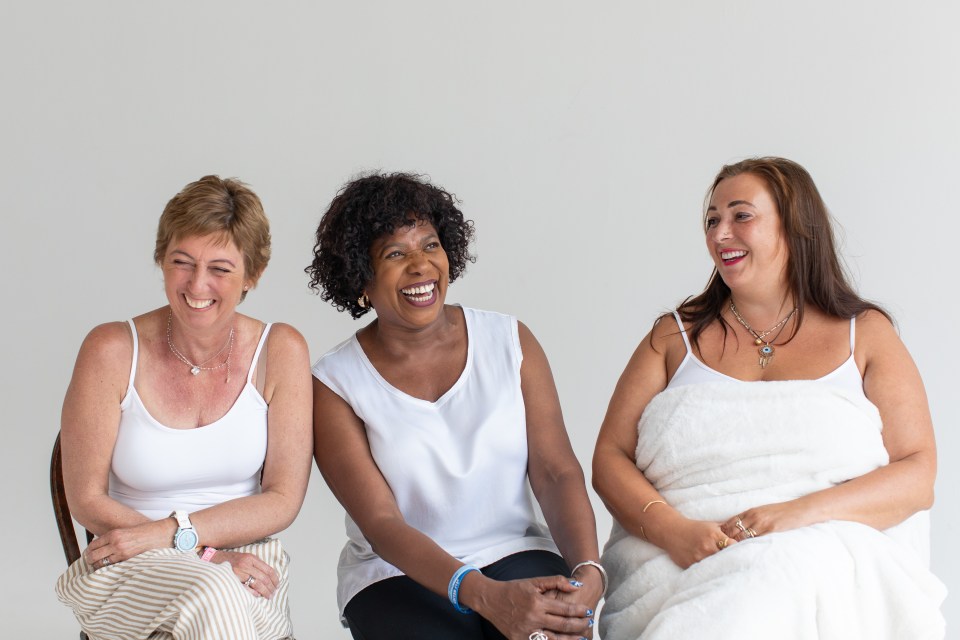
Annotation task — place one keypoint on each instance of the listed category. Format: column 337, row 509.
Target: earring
column 363, row 301
column 246, row 287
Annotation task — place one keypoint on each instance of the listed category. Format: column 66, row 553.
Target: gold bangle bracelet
column 651, row 503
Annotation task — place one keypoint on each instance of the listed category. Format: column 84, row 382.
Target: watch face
column 186, row 540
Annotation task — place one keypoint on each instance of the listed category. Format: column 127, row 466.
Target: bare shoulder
column 103, row 363
column 283, row 336
column 876, row 334
column 530, row 347
column 666, row 340
column 287, row 355
column 109, row 343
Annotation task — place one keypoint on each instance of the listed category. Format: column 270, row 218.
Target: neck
column 764, row 310
column 398, row 338
column 199, row 345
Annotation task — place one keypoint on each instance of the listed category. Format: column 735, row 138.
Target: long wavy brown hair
column 814, row 272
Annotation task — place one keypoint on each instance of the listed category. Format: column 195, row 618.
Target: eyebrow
column 184, row 253
column 733, row 203
column 433, row 237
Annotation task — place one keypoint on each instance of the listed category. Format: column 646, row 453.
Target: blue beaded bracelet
column 453, row 589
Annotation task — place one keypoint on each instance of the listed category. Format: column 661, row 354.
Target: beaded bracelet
column 453, row 589
column 599, row 567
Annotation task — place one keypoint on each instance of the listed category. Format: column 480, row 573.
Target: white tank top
column 157, row 469
column 458, row 466
column 693, row 371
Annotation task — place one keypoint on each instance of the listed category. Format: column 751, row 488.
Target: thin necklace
column 766, row 349
column 197, row 368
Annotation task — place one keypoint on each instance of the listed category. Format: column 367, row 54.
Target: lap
column 153, row 594
column 400, row 608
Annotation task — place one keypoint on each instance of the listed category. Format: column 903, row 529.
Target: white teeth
column 198, row 304
column 729, row 255
column 425, row 288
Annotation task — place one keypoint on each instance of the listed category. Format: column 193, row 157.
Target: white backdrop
column 580, row 136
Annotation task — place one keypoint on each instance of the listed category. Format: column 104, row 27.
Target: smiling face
column 410, row 276
column 204, row 279
column 744, row 234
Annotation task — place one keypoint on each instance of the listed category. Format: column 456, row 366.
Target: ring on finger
column 750, row 533
column 538, row 635
column 249, row 581
column 105, row 561
column 722, row 544
column 739, row 524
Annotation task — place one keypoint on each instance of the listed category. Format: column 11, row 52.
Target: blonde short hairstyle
column 212, row 206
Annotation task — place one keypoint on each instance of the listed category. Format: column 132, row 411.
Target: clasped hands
column 559, row 607
column 691, row 541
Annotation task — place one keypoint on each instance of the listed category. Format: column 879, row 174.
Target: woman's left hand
column 257, row 576
column 588, row 595
column 768, row 518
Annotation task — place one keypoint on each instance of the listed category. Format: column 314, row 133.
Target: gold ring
column 750, row 533
column 722, row 544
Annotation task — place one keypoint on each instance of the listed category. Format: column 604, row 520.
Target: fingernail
column 576, row 583
column 589, row 612
column 590, row 622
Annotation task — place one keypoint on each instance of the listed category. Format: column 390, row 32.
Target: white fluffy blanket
column 714, row 450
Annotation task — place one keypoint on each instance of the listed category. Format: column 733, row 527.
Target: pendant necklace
column 765, row 349
column 195, row 369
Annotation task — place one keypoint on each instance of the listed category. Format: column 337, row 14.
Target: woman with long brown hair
column 768, row 453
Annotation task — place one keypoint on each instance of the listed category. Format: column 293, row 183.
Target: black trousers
column 400, row 609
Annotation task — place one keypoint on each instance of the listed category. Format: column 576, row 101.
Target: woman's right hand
column 517, row 608
column 689, row 541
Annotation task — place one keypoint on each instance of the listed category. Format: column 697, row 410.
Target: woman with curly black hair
column 429, row 422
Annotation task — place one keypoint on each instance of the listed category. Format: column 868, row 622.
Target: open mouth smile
column 732, row 256
column 420, row 293
column 194, row 303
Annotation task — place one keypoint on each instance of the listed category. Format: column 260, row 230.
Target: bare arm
column 889, row 494
column 286, row 468
column 343, row 456
column 88, row 428
column 616, row 478
column 555, row 474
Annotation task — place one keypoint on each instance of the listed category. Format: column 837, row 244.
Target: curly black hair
column 368, row 208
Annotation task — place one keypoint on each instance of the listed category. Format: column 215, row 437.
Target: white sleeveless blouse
column 457, row 466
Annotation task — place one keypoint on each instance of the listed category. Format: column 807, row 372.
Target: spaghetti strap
column 256, row 354
column 683, row 332
column 853, row 333
column 136, row 354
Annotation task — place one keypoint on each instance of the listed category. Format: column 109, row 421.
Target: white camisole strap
column 136, row 354
column 683, row 332
column 256, row 354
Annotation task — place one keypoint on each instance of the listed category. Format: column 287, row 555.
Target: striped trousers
column 165, row 594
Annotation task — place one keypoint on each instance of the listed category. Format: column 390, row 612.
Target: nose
column 723, row 230
column 198, row 280
column 416, row 260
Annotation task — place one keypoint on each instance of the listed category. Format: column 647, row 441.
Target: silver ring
column 105, row 561
column 249, row 581
column 538, row 635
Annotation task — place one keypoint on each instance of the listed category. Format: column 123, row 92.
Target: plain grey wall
column 580, row 136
